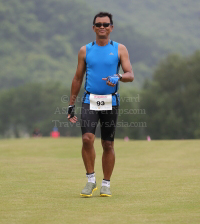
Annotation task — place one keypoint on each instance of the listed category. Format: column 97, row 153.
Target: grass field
column 153, row 182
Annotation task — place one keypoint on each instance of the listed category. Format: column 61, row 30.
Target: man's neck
column 102, row 42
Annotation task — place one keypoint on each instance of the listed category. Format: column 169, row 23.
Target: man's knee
column 88, row 139
column 107, row 145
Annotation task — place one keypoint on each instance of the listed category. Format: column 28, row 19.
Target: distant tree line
column 172, row 100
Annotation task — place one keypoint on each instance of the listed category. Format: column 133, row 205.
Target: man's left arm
column 128, row 75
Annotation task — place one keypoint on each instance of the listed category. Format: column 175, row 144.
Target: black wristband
column 71, row 109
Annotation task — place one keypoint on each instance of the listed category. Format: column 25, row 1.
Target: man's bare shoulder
column 83, row 50
column 82, row 53
column 122, row 48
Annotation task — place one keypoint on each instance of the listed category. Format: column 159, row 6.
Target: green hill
column 39, row 41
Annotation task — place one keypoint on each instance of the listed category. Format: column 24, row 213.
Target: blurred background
column 39, row 44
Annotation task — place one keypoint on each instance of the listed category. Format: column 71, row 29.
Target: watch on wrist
column 120, row 76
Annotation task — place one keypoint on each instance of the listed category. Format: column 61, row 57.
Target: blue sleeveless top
column 101, row 62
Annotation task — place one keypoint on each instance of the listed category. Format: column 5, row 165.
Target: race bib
column 100, row 102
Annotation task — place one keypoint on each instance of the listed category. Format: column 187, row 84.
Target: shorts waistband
column 105, row 94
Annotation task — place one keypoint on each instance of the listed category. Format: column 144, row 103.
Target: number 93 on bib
column 100, row 102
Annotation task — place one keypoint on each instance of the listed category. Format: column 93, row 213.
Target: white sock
column 91, row 177
column 105, row 183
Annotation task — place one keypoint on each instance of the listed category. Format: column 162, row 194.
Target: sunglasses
column 102, row 24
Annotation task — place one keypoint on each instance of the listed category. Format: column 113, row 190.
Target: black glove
column 71, row 109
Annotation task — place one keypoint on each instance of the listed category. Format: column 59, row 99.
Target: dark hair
column 103, row 14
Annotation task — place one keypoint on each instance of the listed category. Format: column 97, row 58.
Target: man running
column 100, row 60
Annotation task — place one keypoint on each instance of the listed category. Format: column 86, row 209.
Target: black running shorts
column 108, row 120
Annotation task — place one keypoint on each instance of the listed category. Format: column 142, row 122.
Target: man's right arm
column 78, row 77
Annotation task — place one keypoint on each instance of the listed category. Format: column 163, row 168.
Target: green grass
column 153, row 182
